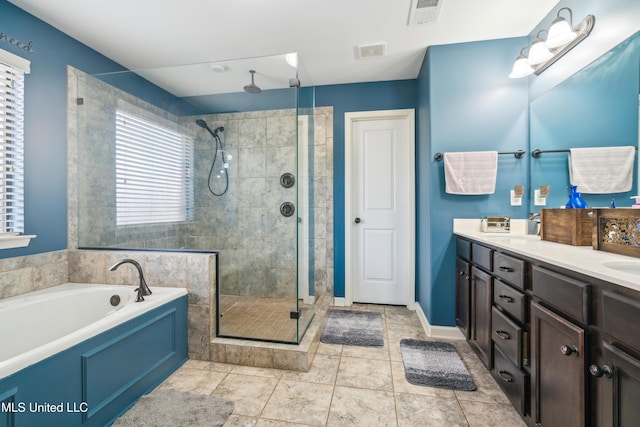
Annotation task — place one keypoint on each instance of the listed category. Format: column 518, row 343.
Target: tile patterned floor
column 351, row 386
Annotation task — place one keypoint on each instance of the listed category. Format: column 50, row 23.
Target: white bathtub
column 40, row 324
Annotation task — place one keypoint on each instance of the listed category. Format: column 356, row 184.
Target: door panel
column 558, row 369
column 380, row 201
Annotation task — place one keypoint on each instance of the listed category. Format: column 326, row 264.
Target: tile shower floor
column 262, row 318
column 351, row 386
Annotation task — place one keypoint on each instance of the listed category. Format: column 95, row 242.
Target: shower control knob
column 357, row 220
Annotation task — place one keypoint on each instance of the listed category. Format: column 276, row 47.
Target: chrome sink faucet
column 143, row 289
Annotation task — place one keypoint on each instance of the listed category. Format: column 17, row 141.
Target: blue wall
column 45, row 130
column 348, row 98
column 473, row 106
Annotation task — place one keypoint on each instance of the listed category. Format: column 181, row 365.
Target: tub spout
column 143, row 289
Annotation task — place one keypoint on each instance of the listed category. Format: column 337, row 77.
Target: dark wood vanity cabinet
column 616, row 375
column 557, row 370
column 481, row 297
column 463, row 297
column 564, row 347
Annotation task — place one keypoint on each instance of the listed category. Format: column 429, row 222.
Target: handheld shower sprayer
column 204, row 125
column 218, row 149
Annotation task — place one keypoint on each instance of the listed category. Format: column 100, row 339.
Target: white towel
column 602, row 170
column 471, row 172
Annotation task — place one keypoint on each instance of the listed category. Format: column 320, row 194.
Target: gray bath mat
column 434, row 364
column 171, row 408
column 353, row 328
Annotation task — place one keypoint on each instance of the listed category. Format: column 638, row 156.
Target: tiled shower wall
column 257, row 244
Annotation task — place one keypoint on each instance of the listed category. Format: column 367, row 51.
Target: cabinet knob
column 597, row 371
column 357, row 220
column 568, row 350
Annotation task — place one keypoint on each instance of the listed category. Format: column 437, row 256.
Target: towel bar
column 517, row 154
column 538, row 152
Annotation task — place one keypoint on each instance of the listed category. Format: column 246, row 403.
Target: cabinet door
column 621, row 372
column 481, row 297
column 558, row 370
column 463, row 297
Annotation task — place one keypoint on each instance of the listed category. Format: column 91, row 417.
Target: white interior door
column 380, row 207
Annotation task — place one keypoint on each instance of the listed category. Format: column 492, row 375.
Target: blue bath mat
column 359, row 328
column 434, row 364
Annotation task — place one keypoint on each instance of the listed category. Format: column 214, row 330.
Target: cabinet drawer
column 510, row 300
column 621, row 319
column 507, row 336
column 510, row 269
column 482, row 256
column 568, row 295
column 513, row 381
column 463, row 249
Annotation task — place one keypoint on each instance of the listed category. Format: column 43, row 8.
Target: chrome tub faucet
column 143, row 289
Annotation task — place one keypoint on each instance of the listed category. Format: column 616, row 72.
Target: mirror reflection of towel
column 471, row 172
column 602, row 170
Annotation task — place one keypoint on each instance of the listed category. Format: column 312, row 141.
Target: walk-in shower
column 246, row 177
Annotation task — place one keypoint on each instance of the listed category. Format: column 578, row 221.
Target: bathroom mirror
column 596, row 107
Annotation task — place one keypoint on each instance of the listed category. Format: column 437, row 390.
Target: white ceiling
column 151, row 34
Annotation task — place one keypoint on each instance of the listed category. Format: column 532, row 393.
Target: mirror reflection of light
column 292, row 59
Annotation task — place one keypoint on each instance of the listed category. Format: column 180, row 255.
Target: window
column 12, row 71
column 154, row 182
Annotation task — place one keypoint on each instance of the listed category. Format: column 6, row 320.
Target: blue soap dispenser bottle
column 575, row 199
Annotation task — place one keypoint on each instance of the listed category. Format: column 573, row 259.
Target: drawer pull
column 568, row 351
column 503, row 334
column 597, row 371
column 506, row 269
column 461, row 273
column 505, row 376
column 505, row 298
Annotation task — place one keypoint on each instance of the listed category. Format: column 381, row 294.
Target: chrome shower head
column 252, row 88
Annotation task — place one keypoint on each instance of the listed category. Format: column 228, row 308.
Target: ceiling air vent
column 370, row 50
column 424, row 11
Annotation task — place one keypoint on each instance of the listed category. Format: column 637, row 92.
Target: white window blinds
column 12, row 142
column 154, row 182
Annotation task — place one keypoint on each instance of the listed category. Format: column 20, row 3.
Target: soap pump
column 636, row 204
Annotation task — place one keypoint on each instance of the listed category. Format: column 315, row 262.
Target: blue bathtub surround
column 94, row 382
column 194, row 271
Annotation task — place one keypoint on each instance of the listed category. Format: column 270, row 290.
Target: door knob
column 357, row 220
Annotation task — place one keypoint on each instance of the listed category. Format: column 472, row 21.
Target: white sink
column 630, row 267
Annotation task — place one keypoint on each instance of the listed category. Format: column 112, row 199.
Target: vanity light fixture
column 539, row 52
column 521, row 68
column 561, row 31
column 561, row 38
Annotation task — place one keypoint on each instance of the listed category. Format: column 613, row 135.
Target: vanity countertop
column 606, row 266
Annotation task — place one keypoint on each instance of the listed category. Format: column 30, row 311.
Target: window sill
column 15, row 240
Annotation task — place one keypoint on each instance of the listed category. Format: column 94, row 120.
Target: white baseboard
column 444, row 332
column 339, row 302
